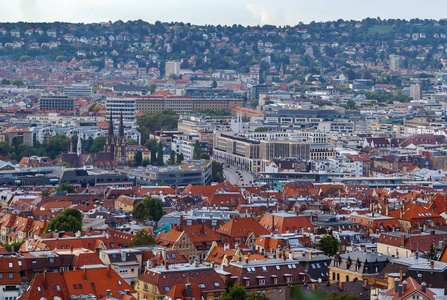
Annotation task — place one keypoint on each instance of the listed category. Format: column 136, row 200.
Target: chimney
column 416, row 254
column 366, row 284
column 404, row 285
column 71, row 248
column 340, row 285
column 188, row 290
column 123, row 255
column 284, row 257
column 166, row 265
column 314, row 287
column 432, row 264
column 310, row 255
column 424, row 287
column 396, row 285
column 402, row 240
column 400, row 213
column 401, row 274
column 246, row 259
column 44, row 278
column 108, row 272
column 13, row 248
column 400, row 290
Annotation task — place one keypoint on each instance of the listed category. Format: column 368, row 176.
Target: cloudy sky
column 223, row 12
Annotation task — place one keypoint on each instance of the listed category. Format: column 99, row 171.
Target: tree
column 237, row 292
column 214, row 84
column 66, row 187
column 196, row 151
column 173, row 76
column 94, row 107
column 431, row 253
column 180, row 158
column 18, row 82
column 70, row 220
column 336, row 296
column 260, row 129
column 66, row 164
column 160, row 154
column 329, row 245
column 204, row 155
column 154, row 157
column 149, row 207
column 45, row 193
column 138, row 158
column 151, row 87
column 98, row 145
column 350, row 104
column 13, row 246
column 217, row 170
column 171, row 160
column 5, row 82
column 145, row 162
column 132, row 142
column 142, row 238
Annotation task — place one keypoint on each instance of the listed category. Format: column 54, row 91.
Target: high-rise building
column 64, row 103
column 172, row 67
column 121, row 106
column 394, row 62
column 415, row 91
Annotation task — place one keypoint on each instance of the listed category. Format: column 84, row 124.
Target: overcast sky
column 224, row 12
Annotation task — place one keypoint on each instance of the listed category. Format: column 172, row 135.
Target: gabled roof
column 241, row 227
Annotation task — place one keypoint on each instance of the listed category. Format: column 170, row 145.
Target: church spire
column 111, row 125
column 121, row 128
column 79, row 147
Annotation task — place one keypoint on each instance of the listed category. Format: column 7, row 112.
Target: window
column 289, row 279
column 58, row 287
column 112, row 245
column 75, row 286
column 51, row 259
column 216, row 284
column 264, row 269
column 39, row 289
column 10, row 264
column 11, row 275
column 167, row 288
column 93, row 285
column 275, row 280
column 173, row 256
column 1, row 275
column 201, row 285
column 119, row 282
column 261, row 281
column 80, row 286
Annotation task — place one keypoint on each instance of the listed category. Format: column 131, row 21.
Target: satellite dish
column 319, row 280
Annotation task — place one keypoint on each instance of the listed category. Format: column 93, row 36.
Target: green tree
column 180, row 158
column 132, row 142
column 217, row 170
column 204, row 155
column 214, row 84
column 171, row 160
column 149, row 207
column 151, row 86
column 138, row 158
column 237, row 292
column 142, row 238
column 173, row 76
column 197, row 150
column 70, row 220
column 5, row 82
column 66, row 187
column 15, row 246
column 66, row 164
column 18, row 82
column 97, row 145
column 45, row 193
column 260, row 129
column 145, row 162
column 329, row 245
column 431, row 253
column 344, row 296
column 160, row 154
column 154, row 157
column 350, row 104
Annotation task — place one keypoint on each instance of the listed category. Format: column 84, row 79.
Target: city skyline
column 247, row 12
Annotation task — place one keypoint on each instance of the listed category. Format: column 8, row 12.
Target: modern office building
column 198, row 173
column 64, row 103
column 183, row 104
column 121, row 106
column 172, row 67
column 253, row 151
column 77, row 89
column 415, row 91
column 394, row 62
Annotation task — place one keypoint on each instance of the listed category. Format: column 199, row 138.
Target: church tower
column 109, row 147
column 120, row 145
